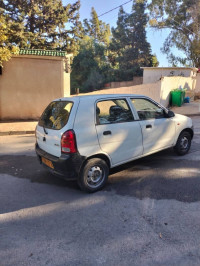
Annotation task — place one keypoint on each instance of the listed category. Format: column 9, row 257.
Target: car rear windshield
column 56, row 115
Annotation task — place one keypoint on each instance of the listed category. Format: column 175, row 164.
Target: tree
column 6, row 48
column 119, row 39
column 97, row 29
column 155, row 62
column 139, row 51
column 129, row 42
column 89, row 66
column 183, row 19
column 42, row 23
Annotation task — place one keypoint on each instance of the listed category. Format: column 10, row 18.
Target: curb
column 8, row 133
column 192, row 115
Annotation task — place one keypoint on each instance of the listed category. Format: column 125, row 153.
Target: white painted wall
column 151, row 75
column 197, row 87
column 158, row 91
column 170, row 83
column 150, row 90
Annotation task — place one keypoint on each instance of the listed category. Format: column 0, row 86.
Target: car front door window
column 147, row 110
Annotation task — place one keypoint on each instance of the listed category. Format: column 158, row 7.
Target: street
column 148, row 213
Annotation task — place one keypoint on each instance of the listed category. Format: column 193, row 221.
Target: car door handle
column 148, row 126
column 107, row 132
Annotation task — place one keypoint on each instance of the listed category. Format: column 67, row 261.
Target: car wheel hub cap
column 95, row 176
column 184, row 143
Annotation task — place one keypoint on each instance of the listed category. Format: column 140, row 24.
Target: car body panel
column 157, row 134
column 84, row 128
column 124, row 143
column 182, row 122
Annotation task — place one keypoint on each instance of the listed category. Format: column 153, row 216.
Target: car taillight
column 68, row 142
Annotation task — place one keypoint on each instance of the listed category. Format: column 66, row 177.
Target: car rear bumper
column 67, row 166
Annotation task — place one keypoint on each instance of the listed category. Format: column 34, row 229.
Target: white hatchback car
column 82, row 137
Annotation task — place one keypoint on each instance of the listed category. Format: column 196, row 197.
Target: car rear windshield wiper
column 45, row 131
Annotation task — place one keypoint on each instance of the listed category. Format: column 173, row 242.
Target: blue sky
column 154, row 37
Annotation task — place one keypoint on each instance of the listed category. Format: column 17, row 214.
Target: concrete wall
column 135, row 81
column 197, row 87
column 151, row 75
column 150, row 90
column 159, row 91
column 170, row 83
column 29, row 83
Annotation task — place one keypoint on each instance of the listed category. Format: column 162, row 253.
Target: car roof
column 97, row 96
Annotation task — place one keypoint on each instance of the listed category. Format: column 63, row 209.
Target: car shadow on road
column 28, row 167
column 157, row 176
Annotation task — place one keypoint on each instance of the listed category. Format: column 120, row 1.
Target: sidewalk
column 188, row 109
column 21, row 128
column 17, row 128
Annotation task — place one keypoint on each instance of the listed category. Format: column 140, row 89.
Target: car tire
column 183, row 143
column 93, row 175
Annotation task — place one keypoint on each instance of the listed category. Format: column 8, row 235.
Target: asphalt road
column 148, row 214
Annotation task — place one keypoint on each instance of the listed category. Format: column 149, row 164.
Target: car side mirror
column 170, row 114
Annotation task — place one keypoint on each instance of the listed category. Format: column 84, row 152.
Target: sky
column 154, row 37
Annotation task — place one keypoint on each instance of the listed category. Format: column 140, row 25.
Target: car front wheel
column 183, row 143
column 94, row 175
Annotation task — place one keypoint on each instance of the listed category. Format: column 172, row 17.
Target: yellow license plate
column 47, row 162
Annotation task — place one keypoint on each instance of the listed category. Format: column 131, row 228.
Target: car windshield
column 56, row 115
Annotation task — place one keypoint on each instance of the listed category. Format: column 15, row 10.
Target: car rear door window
column 113, row 111
column 56, row 115
column 147, row 109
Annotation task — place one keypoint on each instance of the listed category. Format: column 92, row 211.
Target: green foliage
column 119, row 39
column 44, row 24
column 6, row 48
column 129, row 46
column 94, row 81
column 97, row 29
column 155, row 62
column 183, row 18
column 89, row 66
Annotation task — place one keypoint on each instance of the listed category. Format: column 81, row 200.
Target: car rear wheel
column 183, row 143
column 94, row 175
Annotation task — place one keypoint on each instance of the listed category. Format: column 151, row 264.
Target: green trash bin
column 177, row 97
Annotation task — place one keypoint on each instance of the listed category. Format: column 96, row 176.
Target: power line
column 131, row 1
column 114, row 8
column 111, row 19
